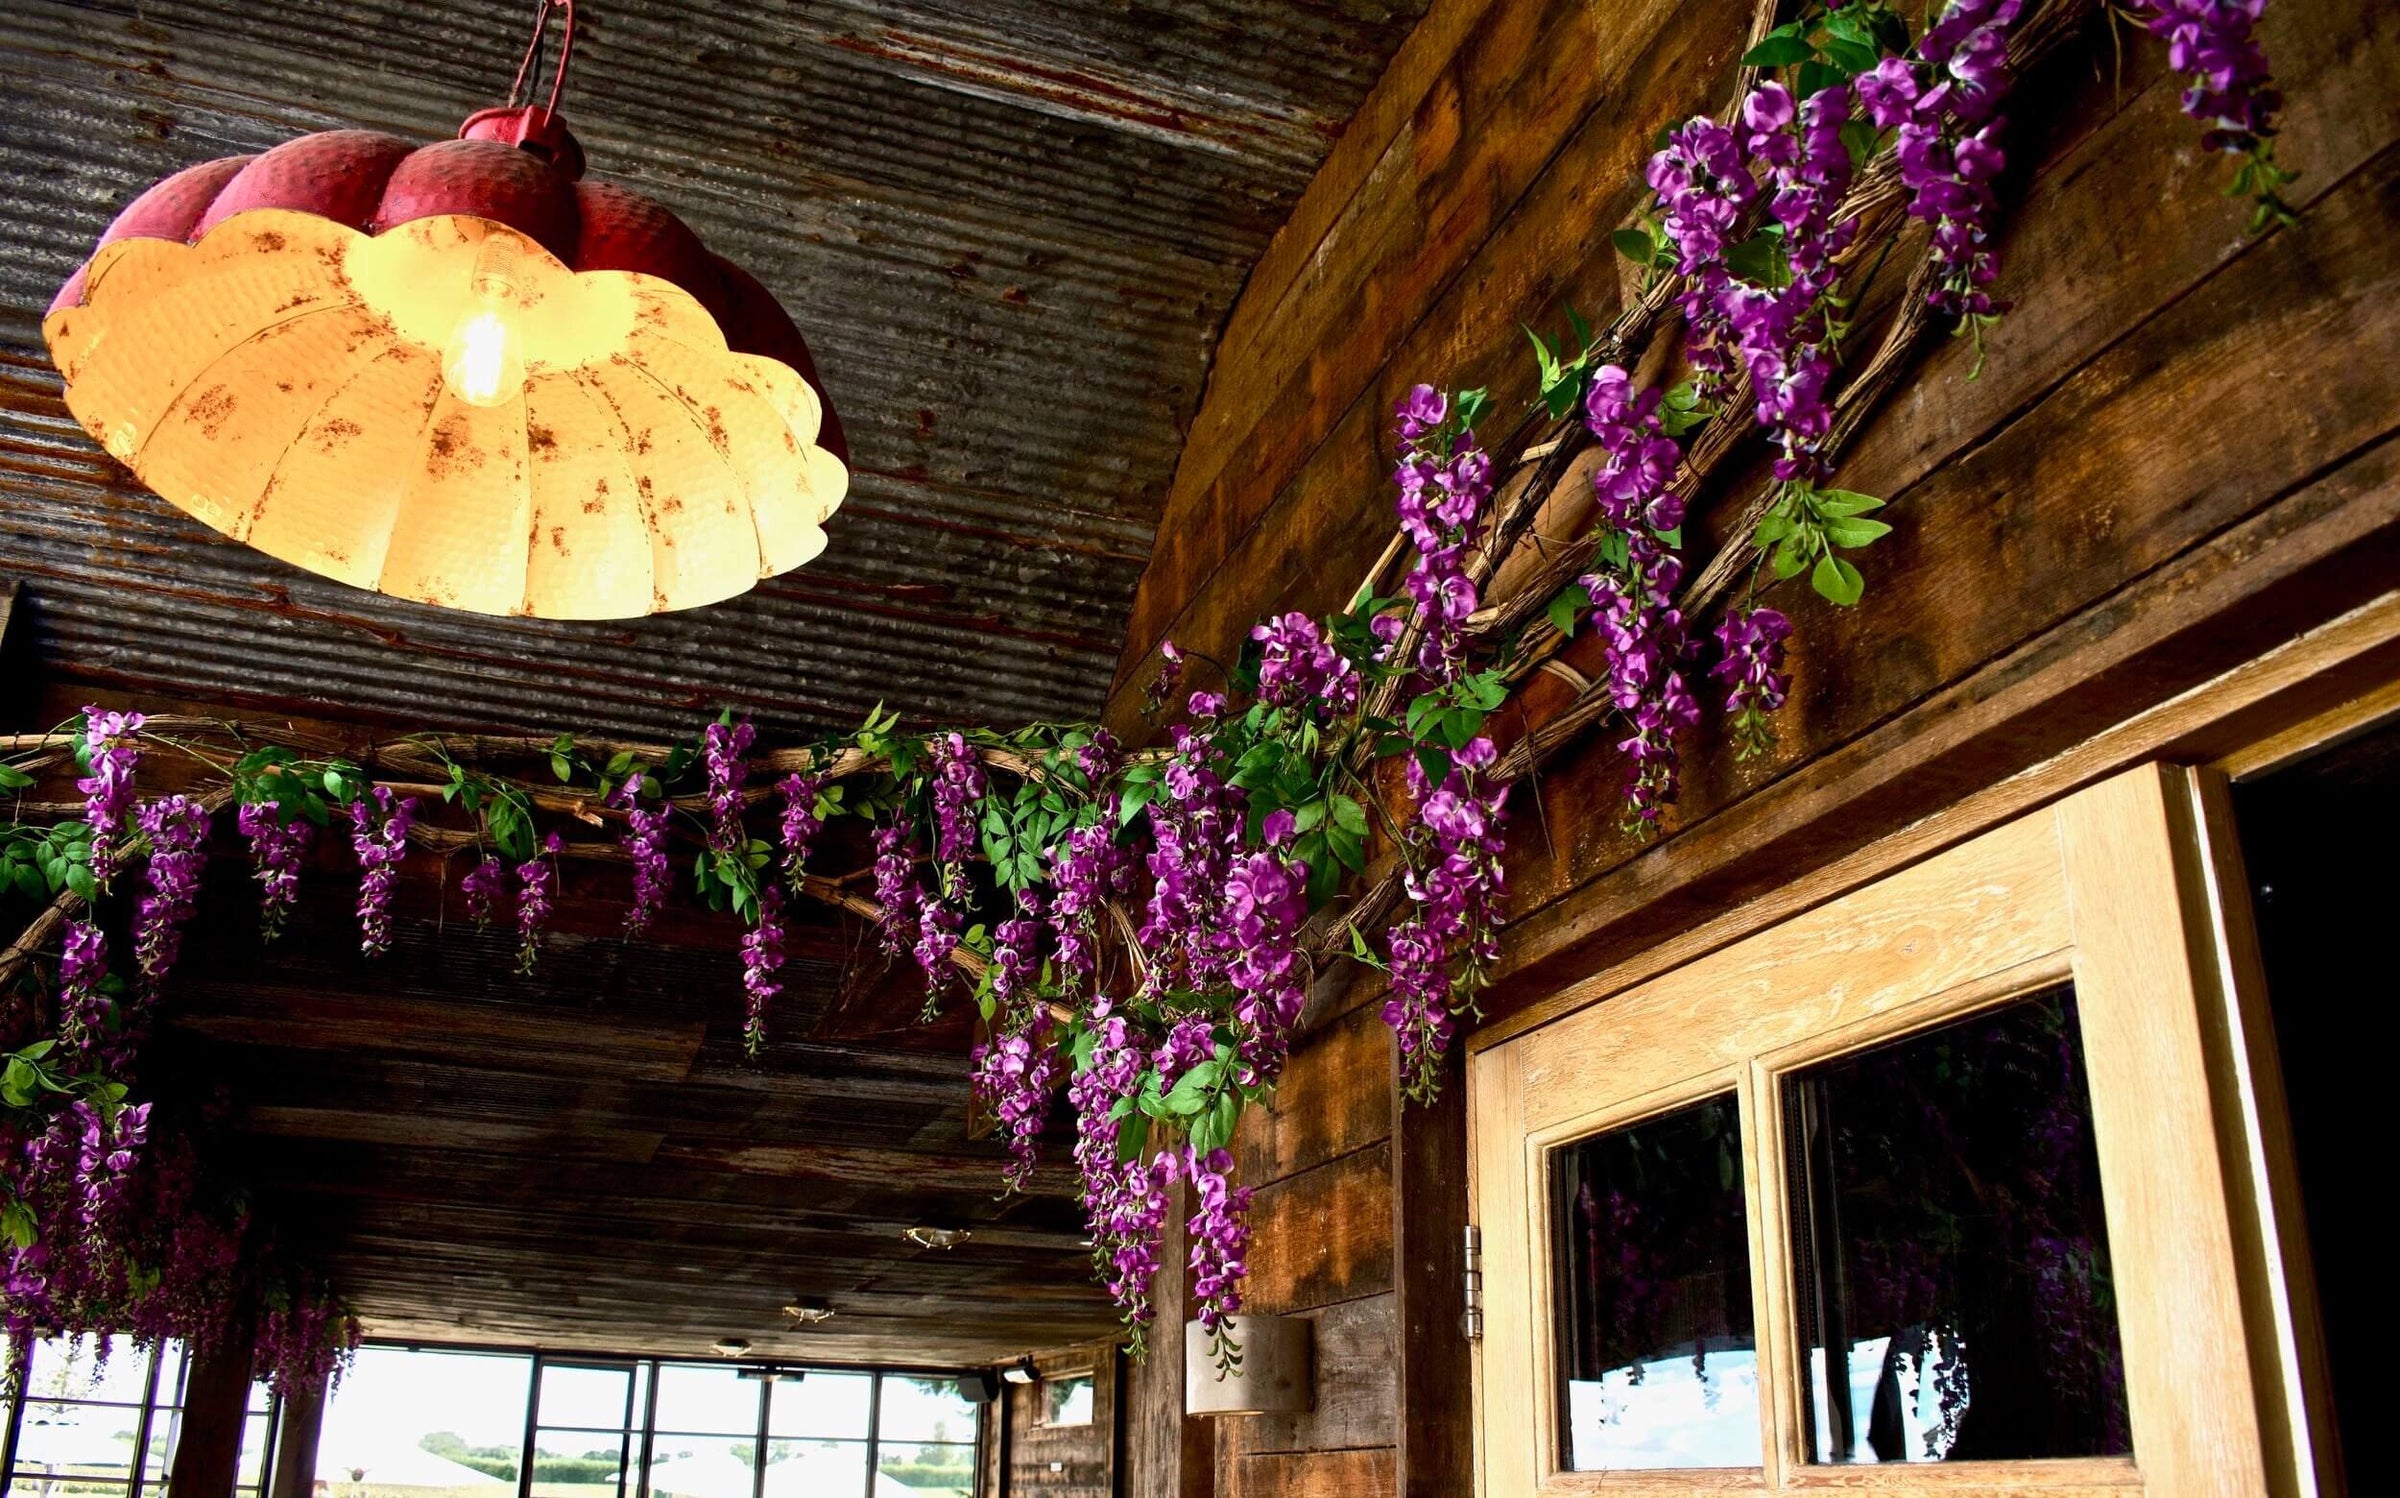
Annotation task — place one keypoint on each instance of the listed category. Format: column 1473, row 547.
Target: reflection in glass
column 578, row 1463
column 829, row 1405
column 1067, row 1401
column 78, row 1440
column 1948, row 1238
column 803, row 1469
column 448, row 1420
column 714, row 1400
column 925, row 1469
column 924, row 1409
column 1657, row 1361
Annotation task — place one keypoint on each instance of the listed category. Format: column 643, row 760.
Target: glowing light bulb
column 484, row 362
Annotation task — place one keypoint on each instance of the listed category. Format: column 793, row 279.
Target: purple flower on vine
column 958, row 789
column 537, row 893
column 896, row 887
column 1945, row 103
column 1220, row 1236
column 1195, row 828
column 177, row 828
column 646, row 844
column 1124, row 1200
column 800, row 824
column 939, row 926
column 485, row 886
column 1162, row 686
column 84, row 1010
column 762, row 963
column 1298, row 667
column 1750, row 663
column 276, row 850
column 1440, row 953
column 1083, row 869
column 112, row 753
column 1017, row 1069
column 1265, row 905
column 722, row 750
column 2232, row 89
column 379, row 835
column 1420, row 412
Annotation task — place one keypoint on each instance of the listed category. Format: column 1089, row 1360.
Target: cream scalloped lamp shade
column 445, row 412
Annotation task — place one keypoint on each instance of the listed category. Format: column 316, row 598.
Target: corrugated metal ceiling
column 1010, row 230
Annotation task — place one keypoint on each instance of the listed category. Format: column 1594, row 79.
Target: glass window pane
column 587, row 1398
column 817, row 1469
column 924, row 1409
column 578, row 1463
column 257, row 1435
column 822, row 1404
column 262, row 1399
column 702, row 1466
column 109, row 1369
column 77, row 1440
column 1067, row 1401
column 1658, row 1363
column 713, row 1400
column 164, row 1426
column 449, row 1420
column 1948, row 1237
column 925, row 1470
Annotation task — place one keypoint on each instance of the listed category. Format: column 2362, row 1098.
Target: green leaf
column 1848, row 532
column 1566, row 606
column 1788, row 558
column 1635, row 245
column 1349, row 816
column 1755, row 259
column 1852, row 57
column 562, row 768
column 1348, row 848
column 1192, row 1088
column 1838, row 580
column 79, row 879
column 1783, row 47
column 1844, row 502
column 12, row 779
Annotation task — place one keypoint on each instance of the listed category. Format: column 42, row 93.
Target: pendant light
column 458, row 373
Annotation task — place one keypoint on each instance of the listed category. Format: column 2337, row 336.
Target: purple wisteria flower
column 1750, row 642
column 537, row 893
column 177, row 828
column 276, row 850
column 2232, row 89
column 1017, row 1069
column 1704, row 188
column 485, row 886
column 896, row 888
column 1162, row 686
column 1085, row 868
column 1195, row 830
column 1440, row 952
column 1299, row 667
column 722, row 750
column 1219, row 1229
column 762, row 965
column 1634, row 603
column 1444, row 487
column 1945, row 102
column 84, row 1010
column 1124, row 1201
column 958, row 789
column 112, row 752
column 800, row 823
column 646, row 844
column 379, row 835
column 939, row 926
column 1265, row 905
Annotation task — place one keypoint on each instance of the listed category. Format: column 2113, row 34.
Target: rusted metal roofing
column 1010, row 230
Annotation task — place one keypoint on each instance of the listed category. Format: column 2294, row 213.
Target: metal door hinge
column 1471, row 1322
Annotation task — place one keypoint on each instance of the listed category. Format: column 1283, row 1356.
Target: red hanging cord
column 533, row 52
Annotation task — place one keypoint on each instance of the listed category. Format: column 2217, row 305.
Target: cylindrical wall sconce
column 1275, row 1376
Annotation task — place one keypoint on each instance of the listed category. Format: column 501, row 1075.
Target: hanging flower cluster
column 1750, row 664
column 306, row 1339
column 1442, row 949
column 645, row 844
column 1017, row 1069
column 277, row 846
column 724, row 747
column 486, row 887
column 958, row 788
column 110, row 751
column 379, row 835
column 800, row 823
column 1219, row 1230
column 1445, row 481
column 762, row 963
column 896, row 888
column 1945, row 102
column 537, row 893
column 1125, row 1197
column 85, row 1014
column 2232, row 90
column 177, row 830
column 1086, row 869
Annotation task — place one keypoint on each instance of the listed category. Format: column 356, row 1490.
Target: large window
column 101, row 1418
column 599, row 1427
column 1928, row 1174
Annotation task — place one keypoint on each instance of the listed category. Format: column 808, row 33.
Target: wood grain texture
column 1337, row 1474
column 1322, row 1236
column 1358, row 1356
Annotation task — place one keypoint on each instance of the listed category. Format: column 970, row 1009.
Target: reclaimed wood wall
column 2177, row 455
column 1067, row 1461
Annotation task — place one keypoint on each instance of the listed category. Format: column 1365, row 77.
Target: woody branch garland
column 1145, row 925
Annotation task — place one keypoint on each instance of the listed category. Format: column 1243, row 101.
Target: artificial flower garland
column 1161, row 913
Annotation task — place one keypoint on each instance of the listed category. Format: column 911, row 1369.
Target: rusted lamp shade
column 455, row 373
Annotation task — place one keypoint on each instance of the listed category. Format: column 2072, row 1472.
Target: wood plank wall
column 2178, row 455
column 1067, row 1461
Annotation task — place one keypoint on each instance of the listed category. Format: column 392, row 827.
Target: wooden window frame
column 2131, row 888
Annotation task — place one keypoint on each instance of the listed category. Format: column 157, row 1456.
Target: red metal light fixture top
column 456, row 372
